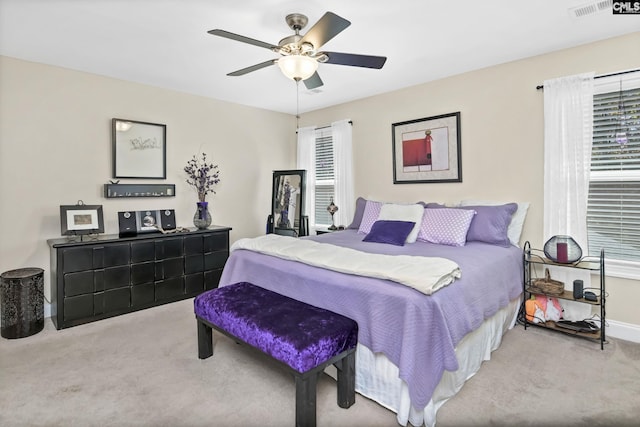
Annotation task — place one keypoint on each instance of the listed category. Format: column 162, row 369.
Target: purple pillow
column 391, row 232
column 491, row 224
column 357, row 217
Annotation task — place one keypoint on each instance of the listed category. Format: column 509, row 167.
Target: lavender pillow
column 391, row 232
column 491, row 224
column 357, row 217
column 369, row 216
column 445, row 226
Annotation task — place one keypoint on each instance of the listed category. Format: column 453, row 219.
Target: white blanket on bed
column 426, row 274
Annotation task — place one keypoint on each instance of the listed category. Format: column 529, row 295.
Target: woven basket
column 547, row 285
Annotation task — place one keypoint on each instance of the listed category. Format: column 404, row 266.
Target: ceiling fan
column 300, row 55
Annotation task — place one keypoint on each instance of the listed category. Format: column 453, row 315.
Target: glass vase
column 202, row 217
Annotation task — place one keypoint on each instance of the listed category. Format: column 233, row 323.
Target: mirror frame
column 283, row 221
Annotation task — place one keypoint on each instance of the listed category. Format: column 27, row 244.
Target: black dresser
column 109, row 275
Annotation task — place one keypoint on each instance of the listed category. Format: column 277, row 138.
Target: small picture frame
column 427, row 150
column 139, row 149
column 81, row 219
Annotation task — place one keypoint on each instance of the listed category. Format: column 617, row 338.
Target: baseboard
column 623, row 331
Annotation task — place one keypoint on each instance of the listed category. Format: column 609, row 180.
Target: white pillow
column 397, row 212
column 517, row 220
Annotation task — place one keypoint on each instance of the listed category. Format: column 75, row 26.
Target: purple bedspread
column 418, row 333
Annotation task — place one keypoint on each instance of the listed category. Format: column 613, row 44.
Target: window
column 324, row 184
column 613, row 214
column 326, row 154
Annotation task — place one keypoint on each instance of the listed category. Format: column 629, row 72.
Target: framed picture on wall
column 81, row 219
column 139, row 149
column 427, row 150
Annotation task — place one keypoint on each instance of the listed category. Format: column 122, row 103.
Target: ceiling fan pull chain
column 297, row 105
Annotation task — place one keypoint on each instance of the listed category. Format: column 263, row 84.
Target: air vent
column 591, row 8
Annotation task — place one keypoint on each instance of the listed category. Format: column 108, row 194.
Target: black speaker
column 167, row 219
column 127, row 224
column 577, row 289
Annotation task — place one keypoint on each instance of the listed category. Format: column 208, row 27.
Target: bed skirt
column 377, row 377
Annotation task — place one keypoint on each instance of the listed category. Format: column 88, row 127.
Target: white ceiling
column 164, row 43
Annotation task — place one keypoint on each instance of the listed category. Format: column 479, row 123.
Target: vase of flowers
column 203, row 176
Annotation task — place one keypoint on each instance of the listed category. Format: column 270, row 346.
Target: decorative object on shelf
column 332, row 209
column 115, row 190
column 562, row 249
column 81, row 219
column 139, row 149
column 202, row 217
column 203, row 176
column 547, row 285
column 427, row 150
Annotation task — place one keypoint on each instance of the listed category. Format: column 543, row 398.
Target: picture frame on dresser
column 81, row 219
column 139, row 149
column 427, row 150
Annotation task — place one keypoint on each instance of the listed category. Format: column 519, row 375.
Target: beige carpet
column 142, row 369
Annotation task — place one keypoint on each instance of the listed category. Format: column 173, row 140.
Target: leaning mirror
column 287, row 202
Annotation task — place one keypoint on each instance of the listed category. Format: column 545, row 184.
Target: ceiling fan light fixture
column 297, row 67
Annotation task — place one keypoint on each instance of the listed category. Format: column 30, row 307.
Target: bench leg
column 347, row 380
column 306, row 400
column 205, row 341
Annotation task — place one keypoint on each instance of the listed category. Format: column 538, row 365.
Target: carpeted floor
column 142, row 369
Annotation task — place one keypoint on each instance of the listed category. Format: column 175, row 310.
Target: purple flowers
column 202, row 175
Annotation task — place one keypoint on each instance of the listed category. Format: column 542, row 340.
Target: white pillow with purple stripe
column 445, row 226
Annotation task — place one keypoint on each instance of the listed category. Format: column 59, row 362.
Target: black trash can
column 22, row 302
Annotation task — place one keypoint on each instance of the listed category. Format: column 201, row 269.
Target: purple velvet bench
column 304, row 338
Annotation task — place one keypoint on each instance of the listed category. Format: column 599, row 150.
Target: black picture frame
column 81, row 219
column 427, row 150
column 287, row 202
column 139, row 149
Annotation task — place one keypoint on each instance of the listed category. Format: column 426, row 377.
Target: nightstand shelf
column 595, row 264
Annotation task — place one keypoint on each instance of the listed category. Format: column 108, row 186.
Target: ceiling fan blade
column 329, row 26
column 351, row 59
column 313, row 82
column 243, row 39
column 253, row 68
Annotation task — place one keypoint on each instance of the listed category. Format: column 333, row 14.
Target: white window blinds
column 613, row 215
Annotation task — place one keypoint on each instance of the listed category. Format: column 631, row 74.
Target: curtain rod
column 325, row 127
column 603, row 75
column 328, row 126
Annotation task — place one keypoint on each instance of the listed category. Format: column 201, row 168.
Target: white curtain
column 307, row 160
column 343, row 171
column 568, row 132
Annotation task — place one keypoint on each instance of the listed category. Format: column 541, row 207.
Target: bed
column 415, row 350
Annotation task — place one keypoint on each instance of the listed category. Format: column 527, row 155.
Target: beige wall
column 502, row 137
column 55, row 149
column 55, row 146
